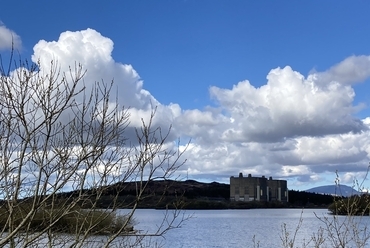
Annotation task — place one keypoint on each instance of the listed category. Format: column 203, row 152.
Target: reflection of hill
column 196, row 195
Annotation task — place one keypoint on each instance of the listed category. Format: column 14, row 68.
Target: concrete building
column 257, row 189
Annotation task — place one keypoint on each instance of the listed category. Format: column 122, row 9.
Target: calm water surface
column 235, row 228
column 226, row 228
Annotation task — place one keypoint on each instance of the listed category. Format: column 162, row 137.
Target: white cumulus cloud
column 9, row 39
column 351, row 70
column 288, row 105
column 94, row 52
column 293, row 126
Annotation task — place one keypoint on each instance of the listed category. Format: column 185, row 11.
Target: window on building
column 246, row 190
column 236, row 190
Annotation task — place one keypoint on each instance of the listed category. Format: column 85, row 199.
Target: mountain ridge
column 336, row 190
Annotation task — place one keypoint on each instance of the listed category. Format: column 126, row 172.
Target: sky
column 274, row 88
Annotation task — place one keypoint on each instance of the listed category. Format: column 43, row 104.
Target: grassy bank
column 76, row 220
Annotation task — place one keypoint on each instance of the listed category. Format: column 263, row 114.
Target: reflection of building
column 257, row 189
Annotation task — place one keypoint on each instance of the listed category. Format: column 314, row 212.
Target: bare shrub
column 63, row 148
column 345, row 227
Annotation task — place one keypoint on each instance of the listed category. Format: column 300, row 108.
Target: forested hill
column 198, row 195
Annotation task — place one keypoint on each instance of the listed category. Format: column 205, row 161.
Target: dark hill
column 337, row 190
column 192, row 194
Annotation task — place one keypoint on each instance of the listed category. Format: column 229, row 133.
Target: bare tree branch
column 62, row 148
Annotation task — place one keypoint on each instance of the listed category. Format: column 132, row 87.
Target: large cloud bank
column 93, row 51
column 294, row 126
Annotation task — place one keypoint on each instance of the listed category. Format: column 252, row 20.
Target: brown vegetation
column 92, row 222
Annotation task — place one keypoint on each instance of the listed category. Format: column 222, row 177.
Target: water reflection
column 242, row 228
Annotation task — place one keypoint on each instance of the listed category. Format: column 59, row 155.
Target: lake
column 238, row 228
column 255, row 228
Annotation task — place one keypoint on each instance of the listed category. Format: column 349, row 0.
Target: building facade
column 258, row 189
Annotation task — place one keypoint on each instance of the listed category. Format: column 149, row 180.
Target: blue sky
column 192, row 57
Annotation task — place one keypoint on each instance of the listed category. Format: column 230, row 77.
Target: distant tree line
column 193, row 194
column 307, row 199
